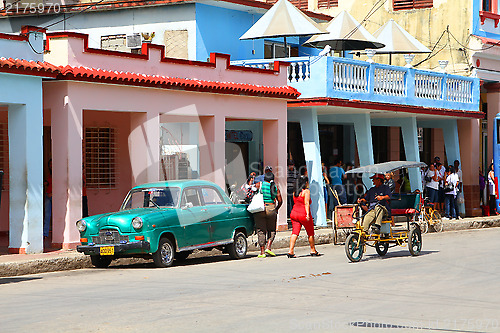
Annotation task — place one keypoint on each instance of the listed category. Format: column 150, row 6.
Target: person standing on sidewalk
column 450, row 195
column 301, row 216
column 337, row 175
column 265, row 222
column 47, row 216
column 291, row 179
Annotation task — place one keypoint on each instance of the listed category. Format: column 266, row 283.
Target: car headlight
column 137, row 222
column 81, row 225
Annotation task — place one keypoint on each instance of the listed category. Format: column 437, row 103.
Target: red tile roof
column 46, row 69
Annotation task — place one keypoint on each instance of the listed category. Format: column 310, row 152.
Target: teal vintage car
column 167, row 221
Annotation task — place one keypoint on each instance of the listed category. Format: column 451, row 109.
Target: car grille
column 109, row 236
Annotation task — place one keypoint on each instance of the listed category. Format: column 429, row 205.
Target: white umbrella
column 398, row 40
column 281, row 20
column 345, row 33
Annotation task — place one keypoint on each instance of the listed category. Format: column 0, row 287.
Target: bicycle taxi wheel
column 382, row 248
column 354, row 247
column 415, row 241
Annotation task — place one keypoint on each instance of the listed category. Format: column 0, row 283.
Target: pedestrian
column 432, row 184
column 326, row 186
column 301, row 216
column 450, row 193
column 350, row 185
column 265, row 222
column 249, row 188
column 441, row 176
column 492, row 191
column 337, row 175
column 291, row 179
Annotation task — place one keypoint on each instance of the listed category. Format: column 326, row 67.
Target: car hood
column 122, row 220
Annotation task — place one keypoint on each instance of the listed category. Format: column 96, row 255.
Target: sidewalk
column 21, row 264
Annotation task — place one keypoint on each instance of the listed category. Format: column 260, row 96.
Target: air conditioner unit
column 134, row 41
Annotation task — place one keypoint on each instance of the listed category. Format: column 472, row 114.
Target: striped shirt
column 268, row 193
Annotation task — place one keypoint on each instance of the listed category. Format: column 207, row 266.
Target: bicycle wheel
column 415, row 241
column 423, row 221
column 436, row 221
column 354, row 248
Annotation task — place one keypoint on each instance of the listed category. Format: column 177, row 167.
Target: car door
column 194, row 218
column 219, row 213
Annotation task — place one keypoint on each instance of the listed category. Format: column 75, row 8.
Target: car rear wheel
column 238, row 248
column 164, row 256
column 100, row 261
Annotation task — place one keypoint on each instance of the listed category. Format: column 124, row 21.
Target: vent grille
column 109, row 236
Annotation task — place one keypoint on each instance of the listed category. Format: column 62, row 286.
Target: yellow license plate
column 107, row 250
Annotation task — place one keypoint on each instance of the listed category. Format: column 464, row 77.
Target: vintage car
column 167, row 221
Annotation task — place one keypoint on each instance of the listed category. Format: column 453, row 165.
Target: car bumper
column 119, row 248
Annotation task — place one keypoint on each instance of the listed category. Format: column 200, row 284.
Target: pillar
column 363, row 129
column 469, row 134
column 310, row 138
column 410, row 141
column 67, row 125
column 275, row 150
column 26, row 175
column 212, row 141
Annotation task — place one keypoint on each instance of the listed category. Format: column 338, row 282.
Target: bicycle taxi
column 390, row 235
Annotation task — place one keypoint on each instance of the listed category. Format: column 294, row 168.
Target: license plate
column 107, row 250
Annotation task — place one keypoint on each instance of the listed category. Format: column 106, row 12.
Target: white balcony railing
column 354, row 79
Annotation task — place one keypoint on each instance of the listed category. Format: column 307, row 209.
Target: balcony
column 350, row 79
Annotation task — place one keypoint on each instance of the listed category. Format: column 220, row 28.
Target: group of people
column 442, row 186
column 265, row 221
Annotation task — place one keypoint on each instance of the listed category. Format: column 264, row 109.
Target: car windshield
column 152, row 197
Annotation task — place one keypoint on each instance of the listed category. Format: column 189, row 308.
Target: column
column 212, row 140
column 310, row 138
column 67, row 125
column 138, row 148
column 26, row 175
column 469, row 134
column 410, row 141
column 275, row 149
column 363, row 129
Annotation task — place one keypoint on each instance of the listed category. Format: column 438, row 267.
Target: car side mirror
column 188, row 205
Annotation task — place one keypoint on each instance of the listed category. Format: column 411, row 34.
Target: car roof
column 177, row 183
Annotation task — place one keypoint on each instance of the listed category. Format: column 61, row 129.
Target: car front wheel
column 164, row 256
column 238, row 248
column 100, row 261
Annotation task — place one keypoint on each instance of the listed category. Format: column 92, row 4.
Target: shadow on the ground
column 5, row 280
column 398, row 254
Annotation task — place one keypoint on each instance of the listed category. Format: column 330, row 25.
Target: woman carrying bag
column 265, row 222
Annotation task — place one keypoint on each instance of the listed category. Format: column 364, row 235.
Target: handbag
column 428, row 179
column 257, row 203
column 448, row 187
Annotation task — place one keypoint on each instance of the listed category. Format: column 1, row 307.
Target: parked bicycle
column 428, row 216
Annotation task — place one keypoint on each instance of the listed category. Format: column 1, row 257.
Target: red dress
column 298, row 217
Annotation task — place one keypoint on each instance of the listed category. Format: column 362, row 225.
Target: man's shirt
column 375, row 191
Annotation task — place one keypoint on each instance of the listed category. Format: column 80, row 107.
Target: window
column 211, row 196
column 411, row 4
column 487, row 5
column 328, row 3
column 176, row 44
column 4, row 155
column 277, row 50
column 100, row 157
column 190, row 195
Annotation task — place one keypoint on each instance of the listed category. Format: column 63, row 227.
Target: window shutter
column 328, row 3
column 411, row 4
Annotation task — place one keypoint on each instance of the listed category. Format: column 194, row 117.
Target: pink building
column 106, row 111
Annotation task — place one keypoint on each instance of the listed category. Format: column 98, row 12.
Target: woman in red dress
column 301, row 216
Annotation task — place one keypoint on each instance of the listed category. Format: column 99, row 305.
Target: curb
column 72, row 260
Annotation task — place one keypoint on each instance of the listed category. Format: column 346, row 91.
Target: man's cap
column 270, row 168
column 378, row 176
column 437, row 158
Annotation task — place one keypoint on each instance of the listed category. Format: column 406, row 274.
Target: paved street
column 451, row 287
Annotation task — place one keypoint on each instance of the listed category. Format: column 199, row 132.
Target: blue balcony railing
column 372, row 82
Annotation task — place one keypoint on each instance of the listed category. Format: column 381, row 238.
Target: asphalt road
column 453, row 286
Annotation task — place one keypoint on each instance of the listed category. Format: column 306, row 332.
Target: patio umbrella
column 282, row 20
column 397, row 40
column 345, row 33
